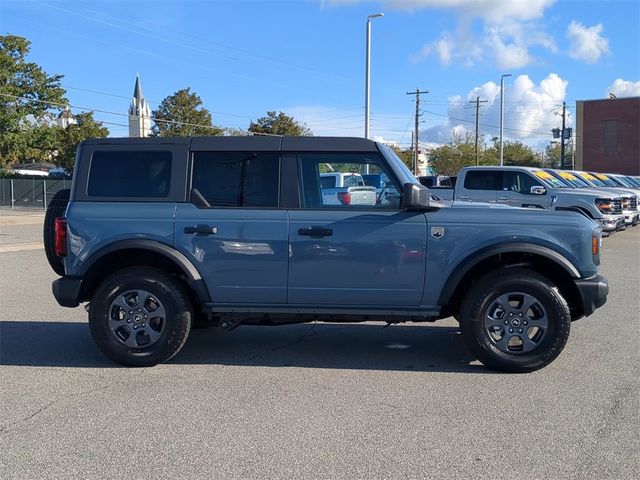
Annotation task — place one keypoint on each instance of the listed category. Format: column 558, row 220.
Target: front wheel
column 515, row 320
column 140, row 316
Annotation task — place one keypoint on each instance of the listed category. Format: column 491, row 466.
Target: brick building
column 608, row 135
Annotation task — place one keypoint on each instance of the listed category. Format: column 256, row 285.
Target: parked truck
column 340, row 188
column 534, row 188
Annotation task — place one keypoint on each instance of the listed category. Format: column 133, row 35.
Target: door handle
column 201, row 230
column 464, row 197
column 503, row 199
column 315, row 231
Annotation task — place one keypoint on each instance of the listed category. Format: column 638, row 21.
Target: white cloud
column 510, row 30
column 507, row 45
column 624, row 88
column 586, row 43
column 492, row 11
column 529, row 113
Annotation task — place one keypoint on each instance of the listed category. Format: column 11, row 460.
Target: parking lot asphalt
column 314, row 401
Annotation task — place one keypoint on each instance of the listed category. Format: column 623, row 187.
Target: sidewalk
column 20, row 216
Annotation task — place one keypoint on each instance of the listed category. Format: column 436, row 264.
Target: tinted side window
column 130, row 174
column 478, row 180
column 235, row 179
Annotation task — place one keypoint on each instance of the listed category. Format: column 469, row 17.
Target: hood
column 590, row 193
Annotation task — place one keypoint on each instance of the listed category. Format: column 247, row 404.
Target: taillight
column 60, row 230
column 344, row 197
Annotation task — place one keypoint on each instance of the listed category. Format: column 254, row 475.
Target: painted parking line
column 19, row 247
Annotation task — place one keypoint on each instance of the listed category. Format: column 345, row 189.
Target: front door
column 355, row 253
column 517, row 190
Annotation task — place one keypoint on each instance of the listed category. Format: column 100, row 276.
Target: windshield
column 623, row 181
column 591, row 179
column 571, row 179
column 608, row 181
column 632, row 181
column 549, row 180
column 560, row 177
column 398, row 166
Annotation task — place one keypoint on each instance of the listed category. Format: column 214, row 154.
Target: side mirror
column 414, row 196
column 538, row 190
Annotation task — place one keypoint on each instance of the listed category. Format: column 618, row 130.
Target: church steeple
column 139, row 113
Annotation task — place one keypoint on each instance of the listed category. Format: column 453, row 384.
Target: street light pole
column 367, row 77
column 502, row 116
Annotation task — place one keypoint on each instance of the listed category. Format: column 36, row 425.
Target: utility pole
column 564, row 111
column 477, row 102
column 417, row 93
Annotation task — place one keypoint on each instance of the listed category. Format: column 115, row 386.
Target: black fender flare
column 188, row 269
column 472, row 260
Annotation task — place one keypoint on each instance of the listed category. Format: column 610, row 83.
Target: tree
column 70, row 137
column 29, row 97
column 448, row 159
column 406, row 155
column 182, row 115
column 552, row 155
column 279, row 124
column 514, row 153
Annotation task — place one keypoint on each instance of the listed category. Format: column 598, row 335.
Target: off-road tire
column 479, row 299
column 56, row 208
column 170, row 292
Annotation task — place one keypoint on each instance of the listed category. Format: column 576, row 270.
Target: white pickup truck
column 346, row 188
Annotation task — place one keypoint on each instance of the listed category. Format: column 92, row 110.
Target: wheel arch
column 541, row 259
column 141, row 252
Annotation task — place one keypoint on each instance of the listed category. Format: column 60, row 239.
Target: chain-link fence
column 32, row 193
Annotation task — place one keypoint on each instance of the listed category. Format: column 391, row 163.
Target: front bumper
column 612, row 223
column 66, row 290
column 593, row 292
column 630, row 217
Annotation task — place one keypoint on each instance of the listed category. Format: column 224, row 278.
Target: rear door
column 354, row 254
column 480, row 186
column 233, row 228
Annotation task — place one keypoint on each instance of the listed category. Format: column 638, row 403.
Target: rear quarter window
column 130, row 174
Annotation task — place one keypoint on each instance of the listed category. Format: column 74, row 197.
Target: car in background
column 435, row 181
column 535, row 188
column 629, row 198
column 346, row 188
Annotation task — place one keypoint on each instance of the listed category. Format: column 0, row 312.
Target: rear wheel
column 56, row 209
column 515, row 320
column 140, row 316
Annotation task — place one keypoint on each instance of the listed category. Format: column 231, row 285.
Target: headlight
column 605, row 205
column 626, row 203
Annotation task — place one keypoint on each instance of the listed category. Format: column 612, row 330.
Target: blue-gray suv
column 159, row 235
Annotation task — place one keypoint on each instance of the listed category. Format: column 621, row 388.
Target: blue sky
column 306, row 58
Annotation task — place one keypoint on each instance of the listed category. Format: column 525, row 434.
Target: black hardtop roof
column 257, row 142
